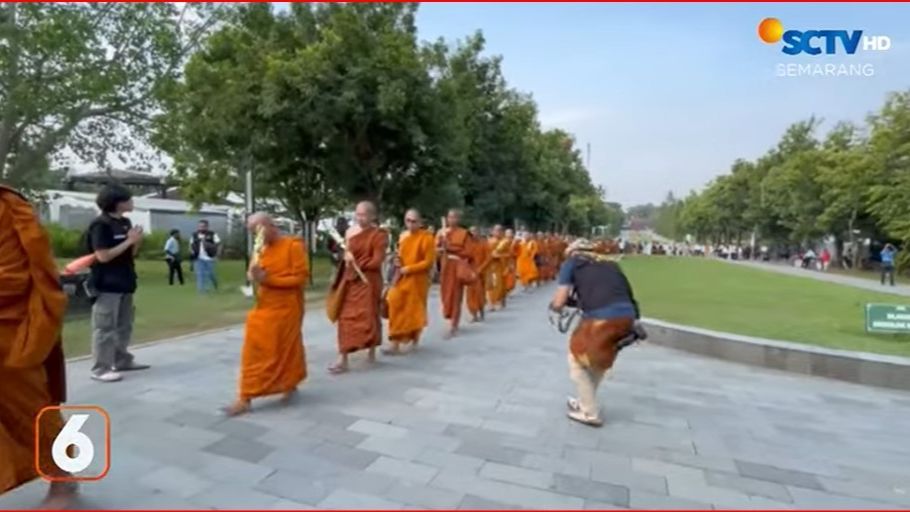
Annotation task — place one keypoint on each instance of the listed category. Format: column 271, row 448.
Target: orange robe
column 510, row 272
column 273, row 359
column 480, row 256
column 496, row 271
column 527, row 269
column 359, row 325
column 546, row 260
column 32, row 306
column 407, row 298
column 457, row 244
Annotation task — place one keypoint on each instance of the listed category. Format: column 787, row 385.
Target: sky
column 669, row 95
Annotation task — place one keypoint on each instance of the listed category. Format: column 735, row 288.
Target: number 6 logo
column 73, row 450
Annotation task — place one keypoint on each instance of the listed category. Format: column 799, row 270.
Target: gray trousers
column 112, row 329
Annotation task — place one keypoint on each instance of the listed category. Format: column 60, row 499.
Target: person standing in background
column 888, row 254
column 173, row 257
column 205, row 247
column 825, row 259
column 115, row 243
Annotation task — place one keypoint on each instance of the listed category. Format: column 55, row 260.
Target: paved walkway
column 856, row 282
column 479, row 422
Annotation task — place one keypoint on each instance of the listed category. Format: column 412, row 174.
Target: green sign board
column 887, row 318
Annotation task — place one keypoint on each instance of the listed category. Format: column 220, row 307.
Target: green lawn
column 164, row 311
column 723, row 297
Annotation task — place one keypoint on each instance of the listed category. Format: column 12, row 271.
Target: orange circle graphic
column 770, row 30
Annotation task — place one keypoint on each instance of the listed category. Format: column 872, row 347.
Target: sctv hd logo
column 817, row 42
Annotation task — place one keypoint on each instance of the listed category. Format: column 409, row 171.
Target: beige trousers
column 586, row 382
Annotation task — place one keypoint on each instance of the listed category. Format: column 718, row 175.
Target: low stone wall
column 858, row 367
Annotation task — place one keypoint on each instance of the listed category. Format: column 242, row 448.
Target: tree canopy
column 332, row 103
column 852, row 183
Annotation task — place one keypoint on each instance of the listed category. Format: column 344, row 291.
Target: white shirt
column 204, row 255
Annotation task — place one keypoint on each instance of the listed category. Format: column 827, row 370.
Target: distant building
column 75, row 210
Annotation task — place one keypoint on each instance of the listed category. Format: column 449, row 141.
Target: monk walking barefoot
column 477, row 291
column 359, row 280
column 455, row 244
column 32, row 367
column 407, row 298
column 273, row 360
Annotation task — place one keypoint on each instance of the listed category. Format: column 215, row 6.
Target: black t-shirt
column 119, row 274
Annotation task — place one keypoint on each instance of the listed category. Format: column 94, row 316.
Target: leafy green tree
column 87, row 77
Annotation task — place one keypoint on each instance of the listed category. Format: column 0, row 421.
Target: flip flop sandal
column 572, row 404
column 585, row 419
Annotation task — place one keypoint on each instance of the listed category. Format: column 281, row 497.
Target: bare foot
column 61, row 495
column 338, row 368
column 237, row 408
column 371, row 355
column 394, row 351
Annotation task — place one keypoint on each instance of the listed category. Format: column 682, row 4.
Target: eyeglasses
column 412, row 221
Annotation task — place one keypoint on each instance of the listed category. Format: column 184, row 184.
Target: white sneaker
column 108, row 376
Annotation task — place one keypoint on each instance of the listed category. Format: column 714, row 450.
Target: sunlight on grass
column 724, row 297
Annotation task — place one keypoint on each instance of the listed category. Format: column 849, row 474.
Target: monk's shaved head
column 453, row 219
column 412, row 220
column 497, row 230
column 265, row 221
column 259, row 219
column 365, row 213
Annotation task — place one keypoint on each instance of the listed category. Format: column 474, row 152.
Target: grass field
column 164, row 311
column 724, row 297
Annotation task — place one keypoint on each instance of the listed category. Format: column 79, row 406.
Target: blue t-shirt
column 888, row 256
column 617, row 309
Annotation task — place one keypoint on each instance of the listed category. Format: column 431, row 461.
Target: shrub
column 65, row 242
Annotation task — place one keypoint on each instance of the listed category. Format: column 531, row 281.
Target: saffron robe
column 457, row 246
column 359, row 324
column 496, row 271
column 273, row 359
column 476, row 292
column 527, row 268
column 407, row 298
column 510, row 274
column 32, row 306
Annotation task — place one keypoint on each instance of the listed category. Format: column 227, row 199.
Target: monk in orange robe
column 455, row 243
column 407, row 298
column 527, row 268
column 496, row 271
column 477, row 291
column 359, row 323
column 32, row 306
column 548, row 257
column 513, row 246
column 272, row 360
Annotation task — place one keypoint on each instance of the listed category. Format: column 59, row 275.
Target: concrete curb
column 857, row 367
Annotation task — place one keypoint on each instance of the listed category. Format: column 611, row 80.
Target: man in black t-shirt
column 114, row 242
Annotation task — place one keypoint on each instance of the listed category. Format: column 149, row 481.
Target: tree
column 87, row 78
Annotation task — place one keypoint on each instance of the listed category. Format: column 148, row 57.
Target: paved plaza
column 479, row 422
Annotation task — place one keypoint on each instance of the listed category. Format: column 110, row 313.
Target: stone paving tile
column 423, row 496
column 782, row 476
column 750, row 486
column 517, row 475
column 480, row 423
column 238, row 448
column 471, row 502
column 344, row 499
column 408, row 471
column 590, row 490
